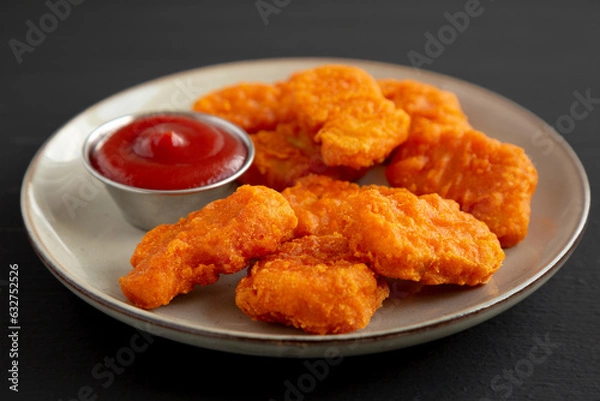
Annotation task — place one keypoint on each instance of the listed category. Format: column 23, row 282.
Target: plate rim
column 131, row 315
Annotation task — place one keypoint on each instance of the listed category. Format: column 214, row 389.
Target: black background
column 537, row 54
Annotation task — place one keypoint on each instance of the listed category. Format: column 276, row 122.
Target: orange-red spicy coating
column 322, row 92
column 414, row 230
column 317, row 201
column 286, row 154
column 426, row 239
column 421, row 100
column 220, row 238
column 493, row 181
column 313, row 283
column 342, row 123
column 254, row 106
column 345, row 110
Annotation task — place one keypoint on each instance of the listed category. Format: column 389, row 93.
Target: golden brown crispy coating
column 317, row 200
column 221, row 238
column 421, row 100
column 426, row 238
column 253, row 106
column 324, row 91
column 154, row 239
column 312, row 283
column 364, row 134
column 345, row 110
column 493, row 181
column 287, row 154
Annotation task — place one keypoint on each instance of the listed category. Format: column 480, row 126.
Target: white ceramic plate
column 79, row 234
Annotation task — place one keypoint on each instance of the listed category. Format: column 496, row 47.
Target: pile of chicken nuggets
column 319, row 249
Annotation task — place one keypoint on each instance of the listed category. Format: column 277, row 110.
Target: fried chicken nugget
column 313, row 283
column 424, row 101
column 287, row 154
column 220, row 238
column 321, row 92
column 317, row 201
column 254, row 106
column 493, row 181
column 346, row 111
column 426, row 239
column 363, row 135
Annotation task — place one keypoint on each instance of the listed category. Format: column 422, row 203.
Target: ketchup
column 169, row 153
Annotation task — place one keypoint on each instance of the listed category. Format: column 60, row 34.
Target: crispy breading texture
column 421, row 100
column 317, row 201
column 254, row 106
column 493, row 181
column 321, row 92
column 426, row 238
column 220, row 238
column 287, row 154
column 346, row 111
column 363, row 135
column 312, row 283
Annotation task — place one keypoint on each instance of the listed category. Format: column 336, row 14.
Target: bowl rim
column 101, row 133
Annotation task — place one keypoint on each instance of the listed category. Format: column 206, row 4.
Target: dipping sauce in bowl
column 158, row 167
column 169, row 152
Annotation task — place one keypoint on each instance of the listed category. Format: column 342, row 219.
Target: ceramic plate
column 80, row 235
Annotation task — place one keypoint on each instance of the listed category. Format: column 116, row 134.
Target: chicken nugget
column 324, row 91
column 363, row 134
column 316, row 200
column 220, row 238
column 493, row 181
column 287, row 154
column 154, row 239
column 424, row 101
column 426, row 239
column 312, row 283
column 345, row 110
column 253, row 106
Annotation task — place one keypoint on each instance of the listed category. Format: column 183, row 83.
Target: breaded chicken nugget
column 493, row 181
column 154, row 239
column 253, row 106
column 426, row 238
column 345, row 110
column 421, row 100
column 312, row 283
column 221, row 238
column 364, row 134
column 287, row 154
column 321, row 92
column 317, row 201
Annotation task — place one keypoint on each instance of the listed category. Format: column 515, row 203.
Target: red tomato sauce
column 169, row 153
